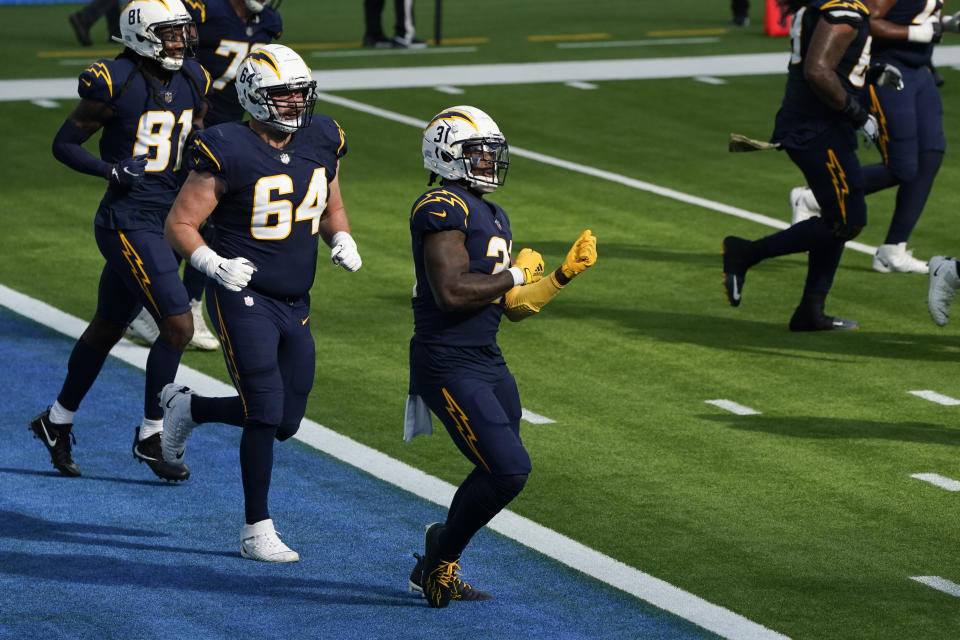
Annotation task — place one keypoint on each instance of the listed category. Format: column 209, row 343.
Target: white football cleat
column 944, row 283
column 803, row 205
column 896, row 257
column 203, row 339
column 259, row 541
column 143, row 328
column 177, row 421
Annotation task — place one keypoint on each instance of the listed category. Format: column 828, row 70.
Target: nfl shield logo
column 284, row 158
column 168, row 96
column 498, row 224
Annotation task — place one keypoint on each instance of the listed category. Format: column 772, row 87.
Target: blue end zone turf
column 118, row 553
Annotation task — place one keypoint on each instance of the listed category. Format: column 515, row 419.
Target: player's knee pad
column 846, row 232
column 509, row 487
column 286, row 431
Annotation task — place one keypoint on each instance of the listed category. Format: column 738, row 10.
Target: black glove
column 881, row 74
column 129, row 172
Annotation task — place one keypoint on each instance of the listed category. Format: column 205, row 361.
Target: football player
column 147, row 101
column 817, row 124
column 228, row 30
column 911, row 140
column 466, row 279
column 271, row 187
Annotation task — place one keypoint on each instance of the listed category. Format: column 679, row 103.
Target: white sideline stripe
column 590, row 171
column 733, row 407
column 581, row 85
column 46, row 104
column 453, row 91
column 535, row 418
column 938, row 480
column 710, row 80
column 933, row 396
column 940, row 584
column 730, row 65
column 661, row 594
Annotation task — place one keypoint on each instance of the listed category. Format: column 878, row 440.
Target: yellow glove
column 581, row 256
column 530, row 262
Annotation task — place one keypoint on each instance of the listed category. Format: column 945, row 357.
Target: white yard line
column 661, row 594
column 535, row 418
column 940, row 584
column 938, row 480
column 733, row 407
column 933, row 396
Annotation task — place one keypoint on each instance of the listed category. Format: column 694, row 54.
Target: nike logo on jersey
column 305, row 321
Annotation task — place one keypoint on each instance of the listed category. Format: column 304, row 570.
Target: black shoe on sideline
column 149, row 451
column 81, row 30
column 56, row 438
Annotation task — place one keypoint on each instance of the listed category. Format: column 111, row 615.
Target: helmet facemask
column 289, row 112
column 485, row 162
column 174, row 32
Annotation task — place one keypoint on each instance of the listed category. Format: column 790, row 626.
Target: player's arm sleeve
column 96, row 88
column 522, row 302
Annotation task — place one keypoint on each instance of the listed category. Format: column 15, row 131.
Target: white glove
column 869, row 130
column 343, row 251
column 930, row 31
column 952, row 23
column 234, row 274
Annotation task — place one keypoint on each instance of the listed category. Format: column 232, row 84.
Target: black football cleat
column 803, row 321
column 734, row 267
column 437, row 574
column 149, row 451
column 809, row 316
column 461, row 590
column 56, row 438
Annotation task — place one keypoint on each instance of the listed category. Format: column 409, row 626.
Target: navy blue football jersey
column 150, row 118
column 225, row 40
column 908, row 12
column 271, row 211
column 488, row 243
column 803, row 117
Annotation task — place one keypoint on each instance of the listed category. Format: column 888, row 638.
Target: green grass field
column 804, row 518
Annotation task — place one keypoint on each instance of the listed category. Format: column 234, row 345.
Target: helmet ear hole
column 446, row 156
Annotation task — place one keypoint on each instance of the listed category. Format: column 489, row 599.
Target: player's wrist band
column 517, row 274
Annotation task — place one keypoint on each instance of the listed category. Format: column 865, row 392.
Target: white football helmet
column 259, row 5
column 464, row 143
column 267, row 74
column 149, row 26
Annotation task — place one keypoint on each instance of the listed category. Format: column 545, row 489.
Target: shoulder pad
column 197, row 10
column 439, row 209
column 852, row 12
column 330, row 130
column 102, row 80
